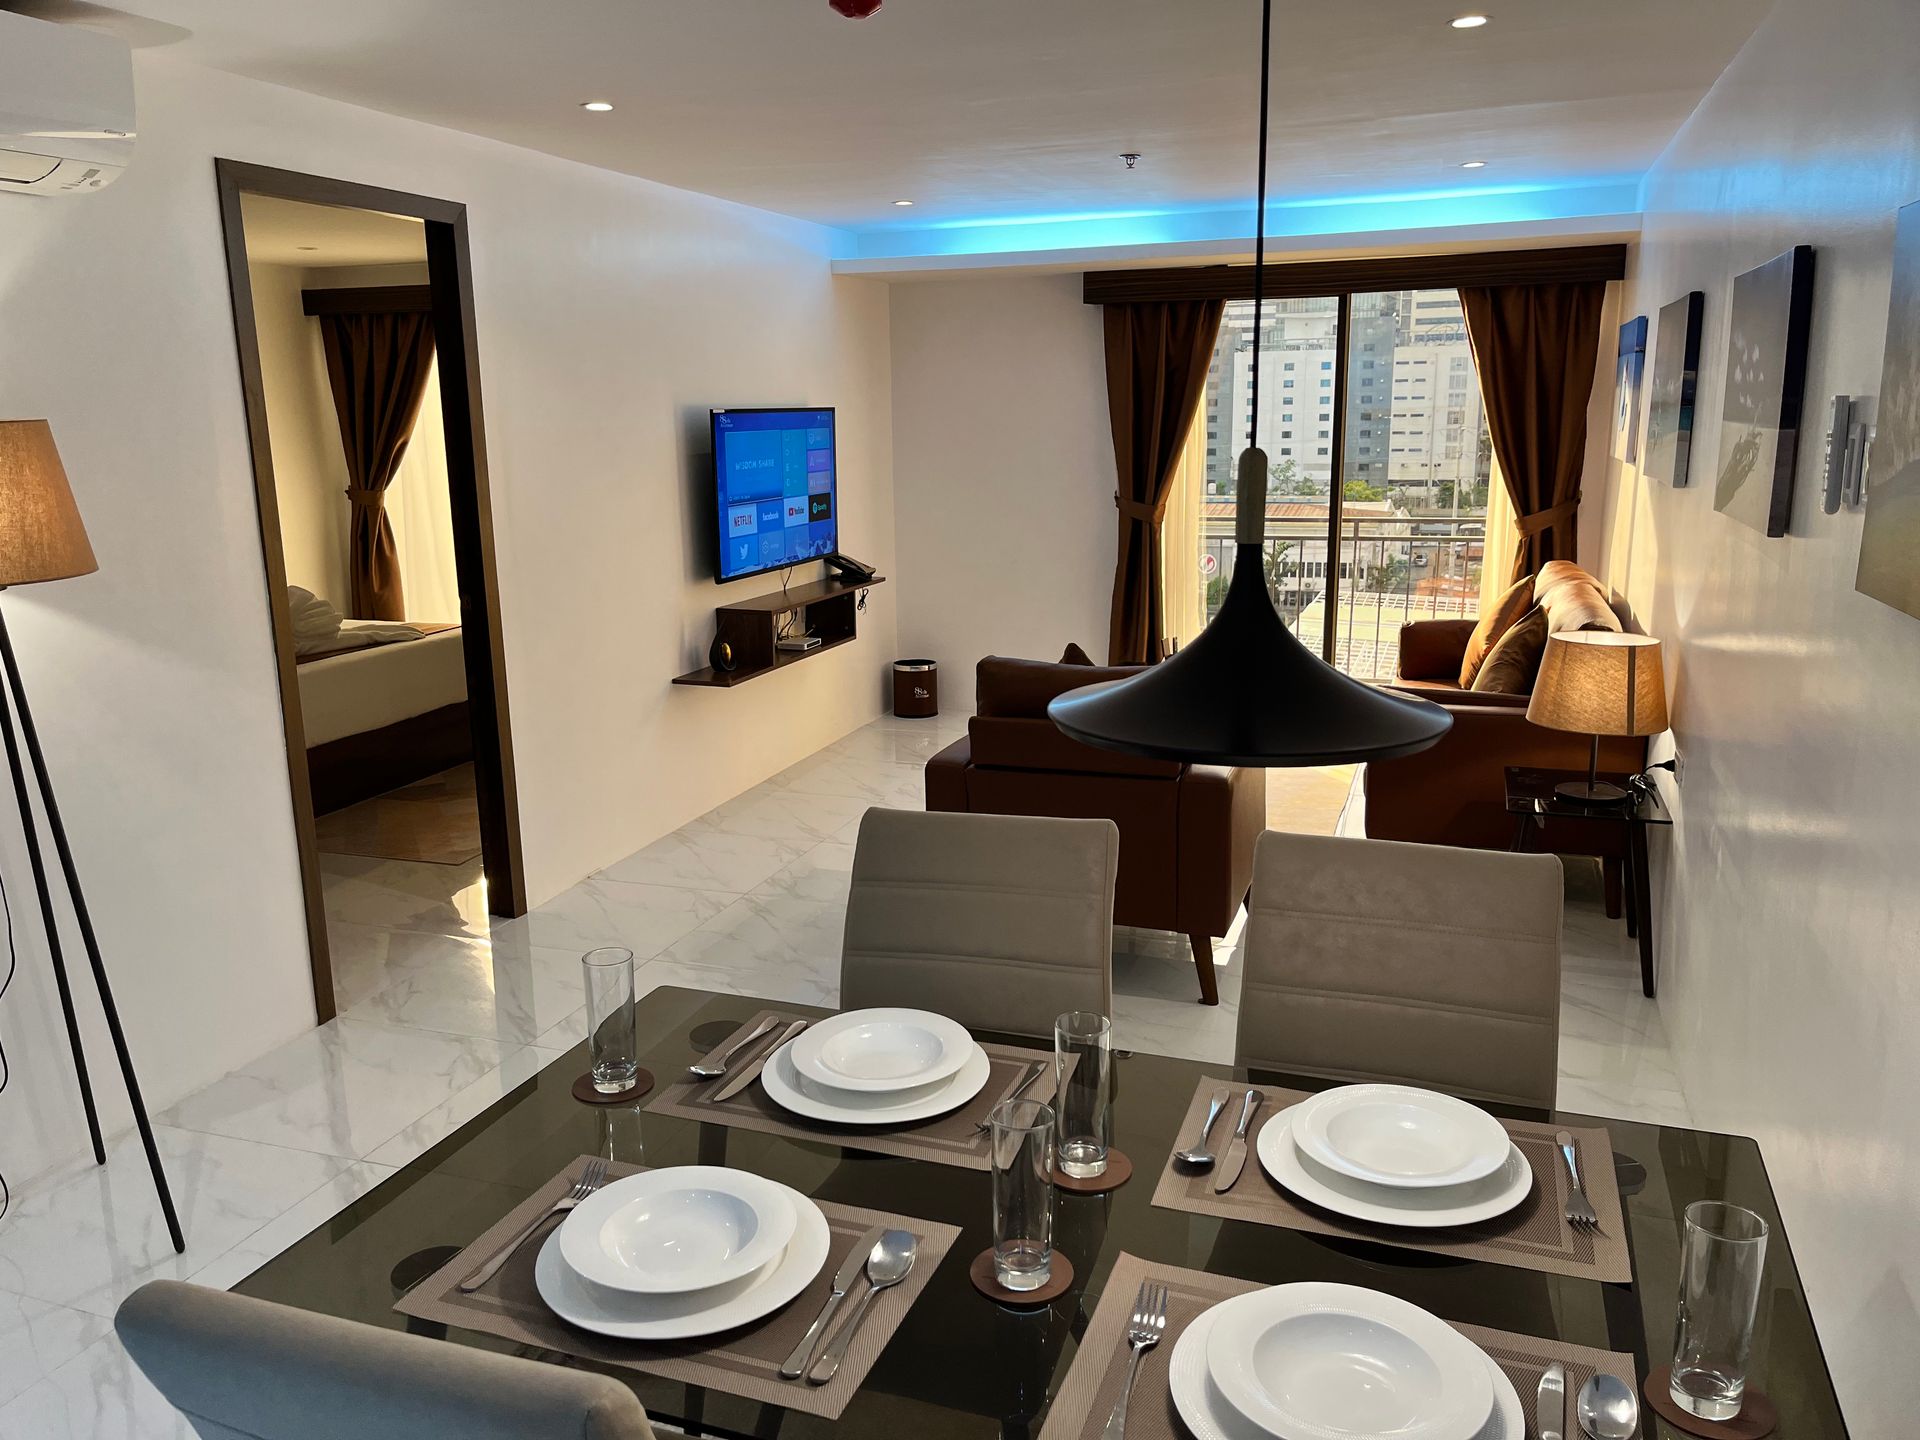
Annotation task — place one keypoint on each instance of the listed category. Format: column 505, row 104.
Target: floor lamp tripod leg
column 74, row 892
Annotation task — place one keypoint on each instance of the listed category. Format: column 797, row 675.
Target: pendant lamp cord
column 1260, row 225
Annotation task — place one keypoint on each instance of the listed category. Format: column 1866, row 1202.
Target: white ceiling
column 1007, row 108
column 287, row 232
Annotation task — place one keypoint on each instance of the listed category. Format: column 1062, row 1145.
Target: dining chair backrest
column 243, row 1369
column 1418, row 964
column 1001, row 922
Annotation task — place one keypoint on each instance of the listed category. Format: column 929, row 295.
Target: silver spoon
column 714, row 1069
column 1201, row 1158
column 1607, row 1408
column 888, row 1263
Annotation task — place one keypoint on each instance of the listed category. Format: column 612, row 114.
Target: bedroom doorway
column 354, row 319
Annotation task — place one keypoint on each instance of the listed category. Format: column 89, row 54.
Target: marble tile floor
column 444, row 1009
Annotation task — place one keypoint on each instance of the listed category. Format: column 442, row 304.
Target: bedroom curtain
column 1536, row 348
column 420, row 509
column 1157, row 359
column 377, row 366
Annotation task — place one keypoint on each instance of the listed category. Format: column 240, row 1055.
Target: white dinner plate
column 685, row 1227
column 793, row 1091
column 1210, row 1418
column 627, row 1316
column 1315, row 1361
column 1399, row 1135
column 1386, row 1204
column 882, row 1051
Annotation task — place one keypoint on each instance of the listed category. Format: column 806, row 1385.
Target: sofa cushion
column 1075, row 656
column 1495, row 622
column 1020, row 689
column 1511, row 667
column 1015, row 744
column 1573, row 599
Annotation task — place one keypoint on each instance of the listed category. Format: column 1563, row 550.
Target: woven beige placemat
column 950, row 1139
column 1087, row 1395
column 744, row 1362
column 1534, row 1235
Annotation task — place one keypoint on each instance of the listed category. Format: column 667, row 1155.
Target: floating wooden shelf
column 828, row 609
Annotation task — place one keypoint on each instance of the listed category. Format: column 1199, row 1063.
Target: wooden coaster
column 1119, row 1170
column 1757, row 1415
column 584, row 1092
column 1060, row 1279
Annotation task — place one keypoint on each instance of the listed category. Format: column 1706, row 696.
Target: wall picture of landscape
column 1626, row 388
column 1766, row 381
column 1890, row 542
column 1676, row 374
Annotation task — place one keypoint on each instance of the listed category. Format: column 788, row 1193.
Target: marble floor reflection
column 444, row 1009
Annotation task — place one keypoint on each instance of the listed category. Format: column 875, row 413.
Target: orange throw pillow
column 1512, row 665
column 1499, row 619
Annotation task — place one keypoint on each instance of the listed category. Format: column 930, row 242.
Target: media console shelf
column 827, row 609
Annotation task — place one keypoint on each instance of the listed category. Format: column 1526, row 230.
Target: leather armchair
column 1187, row 832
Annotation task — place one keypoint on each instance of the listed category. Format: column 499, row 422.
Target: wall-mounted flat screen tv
column 774, row 485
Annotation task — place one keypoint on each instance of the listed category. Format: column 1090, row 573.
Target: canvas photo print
column 1766, row 381
column 1890, row 540
column 1676, row 374
column 1626, row 387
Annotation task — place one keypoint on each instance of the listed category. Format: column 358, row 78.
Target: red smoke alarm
column 855, row 9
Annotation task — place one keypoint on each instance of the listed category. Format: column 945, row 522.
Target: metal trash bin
column 916, row 689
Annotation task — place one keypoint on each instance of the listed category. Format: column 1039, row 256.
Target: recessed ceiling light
column 1473, row 164
column 1468, row 22
column 904, row 204
column 599, row 107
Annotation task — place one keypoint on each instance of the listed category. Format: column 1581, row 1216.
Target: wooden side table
column 1532, row 802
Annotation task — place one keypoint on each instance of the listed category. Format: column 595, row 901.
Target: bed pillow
column 316, row 624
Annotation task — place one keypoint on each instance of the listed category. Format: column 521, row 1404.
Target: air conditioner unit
column 66, row 107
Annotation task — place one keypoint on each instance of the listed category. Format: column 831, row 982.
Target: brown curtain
column 1157, row 358
column 378, row 367
column 1536, row 347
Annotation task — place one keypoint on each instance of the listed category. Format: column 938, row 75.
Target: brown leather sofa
column 1187, row 832
column 1455, row 792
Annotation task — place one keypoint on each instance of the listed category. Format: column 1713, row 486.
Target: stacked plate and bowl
column 1336, row 1362
column 1396, row 1155
column 683, row 1252
column 877, row 1067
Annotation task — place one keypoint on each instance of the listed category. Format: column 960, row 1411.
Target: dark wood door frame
column 450, row 273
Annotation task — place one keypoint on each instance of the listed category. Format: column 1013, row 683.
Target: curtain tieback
column 367, row 499
column 1139, row 510
column 1546, row 519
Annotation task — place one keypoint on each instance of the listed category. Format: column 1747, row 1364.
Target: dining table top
column 959, row 1366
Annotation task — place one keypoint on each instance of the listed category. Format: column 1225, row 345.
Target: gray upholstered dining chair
column 243, row 1369
column 1420, row 964
column 1001, row 922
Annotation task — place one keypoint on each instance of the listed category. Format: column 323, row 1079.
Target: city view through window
column 1415, row 466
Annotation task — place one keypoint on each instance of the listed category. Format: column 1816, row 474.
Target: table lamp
column 41, row 538
column 1599, row 682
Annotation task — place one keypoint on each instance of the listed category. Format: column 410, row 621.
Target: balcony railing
column 1388, row 572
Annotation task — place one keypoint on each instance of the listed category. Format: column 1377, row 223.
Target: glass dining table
column 960, row 1367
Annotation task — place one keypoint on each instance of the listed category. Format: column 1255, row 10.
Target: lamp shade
column 41, row 537
column 1600, row 682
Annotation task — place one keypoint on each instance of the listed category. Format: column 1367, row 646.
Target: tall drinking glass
column 1722, row 1255
column 1021, row 1134
column 1083, row 1091
column 611, row 1036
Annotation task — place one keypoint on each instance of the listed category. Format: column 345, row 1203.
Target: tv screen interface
column 774, row 476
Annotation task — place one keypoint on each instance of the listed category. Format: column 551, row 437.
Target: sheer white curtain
column 1502, row 535
column 1183, row 588
column 419, row 508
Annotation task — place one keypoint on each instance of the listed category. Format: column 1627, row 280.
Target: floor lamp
column 41, row 538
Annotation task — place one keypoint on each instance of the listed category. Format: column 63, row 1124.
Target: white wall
column 1790, row 918
column 1004, row 474
column 611, row 312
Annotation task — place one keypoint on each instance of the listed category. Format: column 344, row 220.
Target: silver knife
column 1550, row 1406
column 752, row 1073
column 1236, row 1156
column 850, row 1270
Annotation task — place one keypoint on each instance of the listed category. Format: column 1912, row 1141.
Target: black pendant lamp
column 1246, row 691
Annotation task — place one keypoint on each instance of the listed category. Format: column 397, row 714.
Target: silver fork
column 1143, row 1333
column 1579, row 1209
column 591, row 1179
